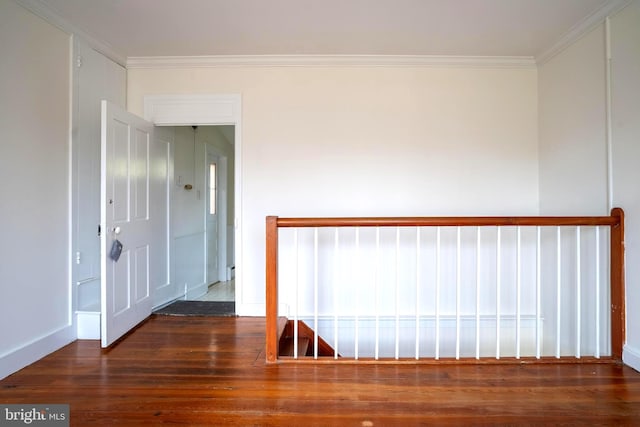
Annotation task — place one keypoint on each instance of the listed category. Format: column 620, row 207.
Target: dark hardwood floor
column 211, row 371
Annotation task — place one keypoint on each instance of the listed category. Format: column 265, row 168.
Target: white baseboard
column 631, row 357
column 36, row 350
column 88, row 325
column 258, row 309
column 250, row 310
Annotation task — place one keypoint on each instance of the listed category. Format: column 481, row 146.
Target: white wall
column 625, row 76
column 369, row 141
column 573, row 153
column 35, row 307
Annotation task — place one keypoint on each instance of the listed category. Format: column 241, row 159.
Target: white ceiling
column 140, row 28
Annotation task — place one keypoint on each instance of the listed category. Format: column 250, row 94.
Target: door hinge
column 79, row 61
column 78, row 257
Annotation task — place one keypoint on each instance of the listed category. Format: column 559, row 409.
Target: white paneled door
column 133, row 212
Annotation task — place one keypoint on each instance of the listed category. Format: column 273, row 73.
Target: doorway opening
column 202, row 213
column 221, row 112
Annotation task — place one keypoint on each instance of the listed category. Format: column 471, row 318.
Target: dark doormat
column 199, row 308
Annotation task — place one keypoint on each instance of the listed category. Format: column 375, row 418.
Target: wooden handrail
column 448, row 221
column 615, row 221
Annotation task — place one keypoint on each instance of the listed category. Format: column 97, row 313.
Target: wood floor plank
column 211, row 371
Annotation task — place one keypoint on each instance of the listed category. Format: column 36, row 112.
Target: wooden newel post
column 618, row 326
column 272, row 289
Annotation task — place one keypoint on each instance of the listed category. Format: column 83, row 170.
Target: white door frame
column 208, row 110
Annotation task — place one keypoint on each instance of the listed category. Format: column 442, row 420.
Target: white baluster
column 538, row 291
column 357, row 302
column 558, row 289
column 518, row 287
column 377, row 293
column 315, row 293
column 438, row 278
column 417, row 293
column 397, row 353
column 597, row 260
column 578, row 293
column 336, row 278
column 478, row 247
column 458, row 281
column 296, row 297
column 498, row 289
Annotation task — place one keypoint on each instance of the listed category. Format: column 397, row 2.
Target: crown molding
column 163, row 62
column 41, row 9
column 581, row 28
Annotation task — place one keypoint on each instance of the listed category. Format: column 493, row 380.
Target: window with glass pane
column 212, row 189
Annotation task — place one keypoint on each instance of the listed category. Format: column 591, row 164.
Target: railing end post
column 618, row 311
column 271, row 289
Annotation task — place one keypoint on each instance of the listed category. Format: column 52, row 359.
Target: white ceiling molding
column 582, row 28
column 41, row 9
column 330, row 61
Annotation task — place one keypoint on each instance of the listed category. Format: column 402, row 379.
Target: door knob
column 116, row 230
